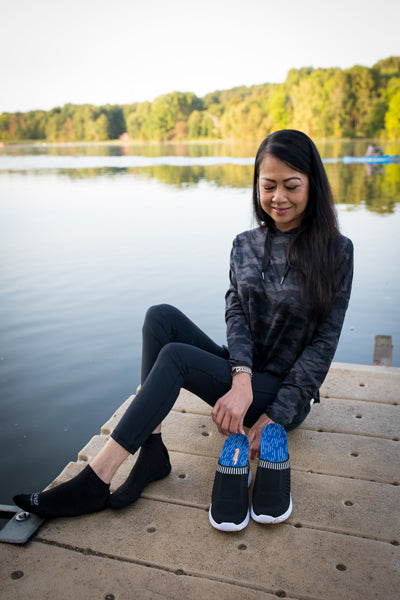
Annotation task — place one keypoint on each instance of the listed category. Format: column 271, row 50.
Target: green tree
column 5, row 119
column 354, row 102
column 136, row 119
column 209, row 125
column 363, row 94
column 116, row 121
column 277, row 107
column 333, row 119
column 54, row 126
column 166, row 110
column 78, row 124
column 195, row 125
column 303, row 106
column 392, row 117
column 101, row 128
column 388, row 67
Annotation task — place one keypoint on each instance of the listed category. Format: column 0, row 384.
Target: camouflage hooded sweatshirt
column 270, row 330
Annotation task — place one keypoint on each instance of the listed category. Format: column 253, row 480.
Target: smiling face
column 283, row 192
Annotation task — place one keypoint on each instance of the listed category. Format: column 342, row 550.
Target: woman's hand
column 229, row 411
column 254, row 435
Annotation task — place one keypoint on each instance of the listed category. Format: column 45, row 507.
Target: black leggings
column 176, row 354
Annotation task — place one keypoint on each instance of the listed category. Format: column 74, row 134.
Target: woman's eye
column 291, row 188
column 268, row 189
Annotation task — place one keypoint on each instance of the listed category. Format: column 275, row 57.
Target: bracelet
column 242, row 370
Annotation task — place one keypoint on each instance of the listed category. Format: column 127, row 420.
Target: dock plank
column 362, row 382
column 339, row 415
column 340, row 543
column 338, row 454
column 352, row 507
column 272, row 558
column 51, row 572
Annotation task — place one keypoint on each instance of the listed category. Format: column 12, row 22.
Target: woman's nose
column 279, row 195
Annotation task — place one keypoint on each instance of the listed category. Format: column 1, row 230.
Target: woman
column 290, row 282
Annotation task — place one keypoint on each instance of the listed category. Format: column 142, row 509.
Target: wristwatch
column 242, row 370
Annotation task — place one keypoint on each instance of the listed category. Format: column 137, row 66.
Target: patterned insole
column 235, row 452
column 273, row 446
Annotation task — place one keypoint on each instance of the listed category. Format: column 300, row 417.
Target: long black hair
column 314, row 250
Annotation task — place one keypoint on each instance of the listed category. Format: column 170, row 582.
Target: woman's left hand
column 254, row 435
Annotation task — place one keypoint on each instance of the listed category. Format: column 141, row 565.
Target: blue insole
column 273, row 446
column 235, row 452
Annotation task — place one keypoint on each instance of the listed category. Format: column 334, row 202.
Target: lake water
column 91, row 236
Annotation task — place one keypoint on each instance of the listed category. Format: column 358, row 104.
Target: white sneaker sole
column 229, row 526
column 268, row 519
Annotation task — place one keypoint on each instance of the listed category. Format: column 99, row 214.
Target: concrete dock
column 341, row 541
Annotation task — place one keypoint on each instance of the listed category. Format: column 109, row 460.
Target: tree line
column 355, row 102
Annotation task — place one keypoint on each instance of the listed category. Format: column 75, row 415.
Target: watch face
column 241, row 370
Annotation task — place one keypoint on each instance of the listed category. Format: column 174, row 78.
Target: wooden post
column 383, row 351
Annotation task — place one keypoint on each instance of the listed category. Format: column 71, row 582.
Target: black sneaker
column 272, row 501
column 229, row 510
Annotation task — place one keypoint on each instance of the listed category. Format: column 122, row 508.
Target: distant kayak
column 382, row 159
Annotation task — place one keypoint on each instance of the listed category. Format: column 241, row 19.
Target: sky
column 125, row 51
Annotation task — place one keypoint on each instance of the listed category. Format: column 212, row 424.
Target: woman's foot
column 152, row 464
column 85, row 493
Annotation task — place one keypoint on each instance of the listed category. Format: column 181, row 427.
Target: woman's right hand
column 229, row 411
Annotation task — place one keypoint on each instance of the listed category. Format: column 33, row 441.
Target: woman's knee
column 159, row 314
column 158, row 311
column 172, row 352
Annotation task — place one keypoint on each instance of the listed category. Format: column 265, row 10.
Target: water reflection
column 378, row 191
column 150, row 149
column 377, row 187
column 327, row 148
column 228, row 175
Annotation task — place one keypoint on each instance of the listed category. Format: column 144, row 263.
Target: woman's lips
column 280, row 211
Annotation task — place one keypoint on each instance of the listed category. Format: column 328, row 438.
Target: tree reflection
column 356, row 184
column 377, row 187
